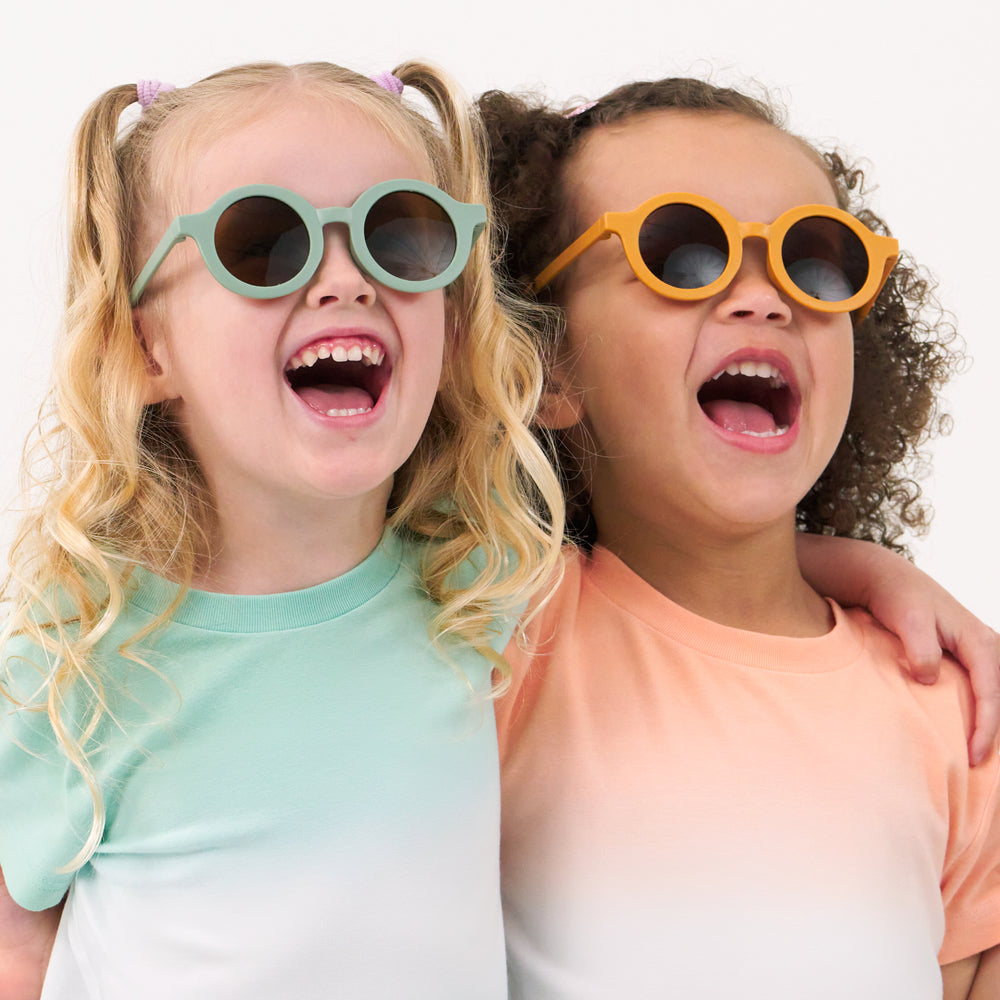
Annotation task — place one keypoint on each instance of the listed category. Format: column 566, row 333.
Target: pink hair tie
column 387, row 81
column 579, row 109
column 149, row 90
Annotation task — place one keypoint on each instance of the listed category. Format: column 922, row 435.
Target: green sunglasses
column 263, row 241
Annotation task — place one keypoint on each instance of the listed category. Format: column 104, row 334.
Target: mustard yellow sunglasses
column 687, row 247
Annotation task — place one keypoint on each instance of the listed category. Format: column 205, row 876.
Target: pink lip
column 748, row 442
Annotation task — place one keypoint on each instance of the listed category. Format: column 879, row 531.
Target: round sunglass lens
column 683, row 246
column 825, row 259
column 410, row 236
column 262, row 241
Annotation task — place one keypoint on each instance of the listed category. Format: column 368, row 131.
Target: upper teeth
column 754, row 369
column 370, row 355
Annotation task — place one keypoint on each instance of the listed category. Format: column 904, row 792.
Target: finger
column 981, row 657
column 987, row 717
column 922, row 647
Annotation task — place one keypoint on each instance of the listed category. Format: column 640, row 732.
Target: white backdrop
column 908, row 86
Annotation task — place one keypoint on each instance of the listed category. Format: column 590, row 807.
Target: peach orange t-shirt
column 692, row 811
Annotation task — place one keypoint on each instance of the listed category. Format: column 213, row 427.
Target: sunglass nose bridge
column 757, row 230
column 329, row 215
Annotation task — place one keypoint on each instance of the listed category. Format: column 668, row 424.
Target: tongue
column 336, row 397
column 740, row 417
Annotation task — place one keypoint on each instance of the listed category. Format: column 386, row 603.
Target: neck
column 748, row 581
column 258, row 550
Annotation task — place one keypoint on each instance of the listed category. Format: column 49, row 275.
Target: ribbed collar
column 274, row 612
column 840, row 647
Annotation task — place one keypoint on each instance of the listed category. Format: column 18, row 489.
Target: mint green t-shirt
column 302, row 801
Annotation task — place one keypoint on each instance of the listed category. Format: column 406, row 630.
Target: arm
column 26, row 940
column 924, row 615
column 973, row 978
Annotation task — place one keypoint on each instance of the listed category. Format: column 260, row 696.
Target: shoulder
column 555, row 635
column 949, row 702
column 580, row 576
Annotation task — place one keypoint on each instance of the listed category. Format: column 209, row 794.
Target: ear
column 561, row 405
column 152, row 342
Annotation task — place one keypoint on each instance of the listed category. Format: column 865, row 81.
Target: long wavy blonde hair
column 110, row 483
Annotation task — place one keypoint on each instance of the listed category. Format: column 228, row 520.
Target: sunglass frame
column 882, row 251
column 468, row 221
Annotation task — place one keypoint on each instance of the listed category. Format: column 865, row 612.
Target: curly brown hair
column 905, row 349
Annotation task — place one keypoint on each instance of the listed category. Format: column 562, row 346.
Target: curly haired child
column 286, row 507
column 715, row 782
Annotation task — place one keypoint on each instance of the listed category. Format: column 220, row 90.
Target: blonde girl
column 282, row 505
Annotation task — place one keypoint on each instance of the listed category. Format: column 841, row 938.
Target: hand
column 925, row 617
column 974, row 978
column 26, row 940
column 929, row 621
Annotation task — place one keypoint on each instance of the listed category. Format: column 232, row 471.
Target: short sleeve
column 970, row 885
column 45, row 808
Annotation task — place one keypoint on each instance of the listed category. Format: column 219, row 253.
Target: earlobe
column 157, row 367
column 561, row 406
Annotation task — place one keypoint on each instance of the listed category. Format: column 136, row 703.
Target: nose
column 751, row 296
column 338, row 278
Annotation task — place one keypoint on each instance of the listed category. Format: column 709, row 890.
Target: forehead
column 752, row 169
column 327, row 150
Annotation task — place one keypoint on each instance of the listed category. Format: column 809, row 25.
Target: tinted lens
column 262, row 241
column 825, row 259
column 683, row 246
column 410, row 236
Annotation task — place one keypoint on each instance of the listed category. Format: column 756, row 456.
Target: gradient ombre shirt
column 693, row 811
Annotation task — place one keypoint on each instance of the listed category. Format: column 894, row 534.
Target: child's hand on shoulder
column 925, row 617
column 929, row 622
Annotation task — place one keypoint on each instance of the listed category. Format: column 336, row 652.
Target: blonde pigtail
column 56, row 564
column 101, row 499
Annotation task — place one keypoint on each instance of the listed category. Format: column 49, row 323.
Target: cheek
column 845, row 367
column 440, row 332
column 457, row 353
column 632, row 351
column 838, row 365
column 434, row 341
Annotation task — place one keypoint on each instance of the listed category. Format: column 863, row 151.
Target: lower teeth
column 777, row 432
column 348, row 413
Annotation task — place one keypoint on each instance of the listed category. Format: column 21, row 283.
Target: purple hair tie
column 387, row 81
column 579, row 109
column 148, row 90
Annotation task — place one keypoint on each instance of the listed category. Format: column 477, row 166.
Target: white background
column 911, row 87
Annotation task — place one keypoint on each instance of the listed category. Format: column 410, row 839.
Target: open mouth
column 341, row 378
column 749, row 397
